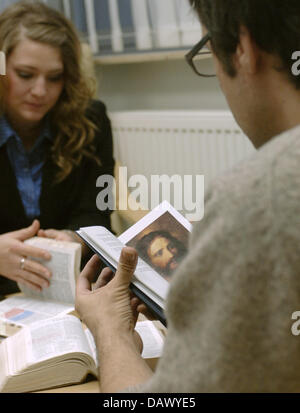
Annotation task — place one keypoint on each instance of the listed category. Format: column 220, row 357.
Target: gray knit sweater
column 231, row 300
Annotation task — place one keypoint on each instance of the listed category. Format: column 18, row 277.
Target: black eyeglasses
column 194, row 58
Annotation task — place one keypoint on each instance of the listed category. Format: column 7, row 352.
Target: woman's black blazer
column 71, row 203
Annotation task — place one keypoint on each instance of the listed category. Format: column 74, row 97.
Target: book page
column 151, row 217
column 22, row 310
column 8, row 329
column 161, row 239
column 31, row 348
column 65, row 267
column 3, row 364
column 152, row 340
column 145, row 277
column 92, row 345
column 18, row 351
column 56, row 337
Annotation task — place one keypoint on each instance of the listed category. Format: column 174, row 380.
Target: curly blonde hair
column 75, row 132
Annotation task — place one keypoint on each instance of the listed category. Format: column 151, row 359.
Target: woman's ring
column 22, row 263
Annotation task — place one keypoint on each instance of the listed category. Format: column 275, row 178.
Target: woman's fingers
column 32, row 280
column 30, row 284
column 37, row 269
column 29, row 251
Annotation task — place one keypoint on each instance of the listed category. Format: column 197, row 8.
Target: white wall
column 163, row 85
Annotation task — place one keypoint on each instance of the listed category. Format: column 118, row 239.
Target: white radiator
column 178, row 143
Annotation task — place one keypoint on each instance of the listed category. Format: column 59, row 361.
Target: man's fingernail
column 129, row 256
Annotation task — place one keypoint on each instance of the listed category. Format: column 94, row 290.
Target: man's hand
column 110, row 303
column 110, row 312
column 14, row 261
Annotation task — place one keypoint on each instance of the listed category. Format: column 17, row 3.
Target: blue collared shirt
column 27, row 166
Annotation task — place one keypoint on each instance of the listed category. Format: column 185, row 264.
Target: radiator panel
column 178, row 143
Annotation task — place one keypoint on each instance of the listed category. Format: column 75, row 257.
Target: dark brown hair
column 273, row 24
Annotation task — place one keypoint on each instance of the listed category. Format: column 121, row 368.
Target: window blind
column 127, row 26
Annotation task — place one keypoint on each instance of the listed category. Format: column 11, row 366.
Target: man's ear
column 247, row 55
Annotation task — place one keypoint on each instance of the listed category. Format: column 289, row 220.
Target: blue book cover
column 127, row 24
column 103, row 26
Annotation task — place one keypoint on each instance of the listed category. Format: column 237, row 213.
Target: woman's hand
column 14, row 261
column 63, row 235
column 59, row 235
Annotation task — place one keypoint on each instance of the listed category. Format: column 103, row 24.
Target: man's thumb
column 127, row 263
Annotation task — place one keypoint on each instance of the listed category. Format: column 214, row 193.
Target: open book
column 55, row 300
column 160, row 238
column 58, row 352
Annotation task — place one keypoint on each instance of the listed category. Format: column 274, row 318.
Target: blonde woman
column 54, row 141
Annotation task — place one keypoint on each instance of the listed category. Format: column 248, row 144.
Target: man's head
column 252, row 43
column 161, row 250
